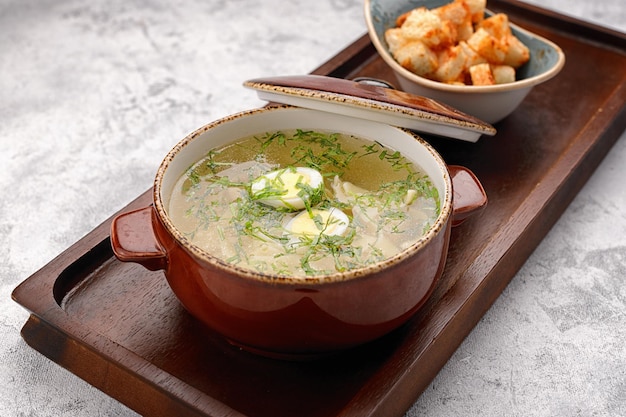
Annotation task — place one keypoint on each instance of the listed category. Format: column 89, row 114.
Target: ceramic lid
column 371, row 102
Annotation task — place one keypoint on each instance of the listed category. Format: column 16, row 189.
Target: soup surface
column 303, row 203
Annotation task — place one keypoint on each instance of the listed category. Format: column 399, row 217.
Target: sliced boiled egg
column 331, row 222
column 292, row 188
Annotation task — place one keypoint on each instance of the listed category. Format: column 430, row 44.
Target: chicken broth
column 303, row 203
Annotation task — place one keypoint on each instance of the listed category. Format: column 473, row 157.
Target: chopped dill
column 232, row 216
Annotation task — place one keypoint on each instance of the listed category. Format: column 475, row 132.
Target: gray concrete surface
column 92, row 96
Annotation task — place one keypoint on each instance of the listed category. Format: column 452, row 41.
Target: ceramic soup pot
column 288, row 317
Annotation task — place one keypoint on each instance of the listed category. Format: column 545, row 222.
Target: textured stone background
column 93, row 95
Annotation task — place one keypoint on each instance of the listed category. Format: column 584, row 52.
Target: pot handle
column 468, row 194
column 133, row 239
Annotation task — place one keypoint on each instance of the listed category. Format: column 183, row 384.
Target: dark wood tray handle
column 133, row 239
column 468, row 194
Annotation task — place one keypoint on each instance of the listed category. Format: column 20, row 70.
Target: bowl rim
column 464, row 89
column 440, row 224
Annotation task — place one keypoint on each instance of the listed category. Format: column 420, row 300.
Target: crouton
column 496, row 25
column 394, row 39
column 477, row 9
column 417, row 57
column 455, row 43
column 503, row 74
column 471, row 56
column 451, row 64
column 481, row 75
column 400, row 20
column 487, row 46
column 425, row 25
column 459, row 14
column 517, row 54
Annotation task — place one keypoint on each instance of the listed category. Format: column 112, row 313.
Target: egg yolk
column 332, row 222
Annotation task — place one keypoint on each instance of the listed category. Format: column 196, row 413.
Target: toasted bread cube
column 459, row 14
column 497, row 26
column 420, row 23
column 503, row 74
column 517, row 53
column 477, row 9
column 471, row 56
column 456, row 44
column 448, row 35
column 451, row 64
column 417, row 57
column 400, row 20
column 425, row 25
column 464, row 31
column 487, row 46
column 394, row 39
column 481, row 75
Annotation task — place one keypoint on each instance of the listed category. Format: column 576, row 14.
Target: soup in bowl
column 303, row 203
column 296, row 233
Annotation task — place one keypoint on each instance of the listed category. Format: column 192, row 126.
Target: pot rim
column 440, row 223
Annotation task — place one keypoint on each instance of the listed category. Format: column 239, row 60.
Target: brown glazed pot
column 286, row 317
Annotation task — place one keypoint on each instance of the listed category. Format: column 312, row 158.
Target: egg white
column 280, row 189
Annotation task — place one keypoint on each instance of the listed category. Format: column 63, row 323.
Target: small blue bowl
column 489, row 103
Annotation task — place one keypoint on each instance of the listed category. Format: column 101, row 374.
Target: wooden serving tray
column 119, row 327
